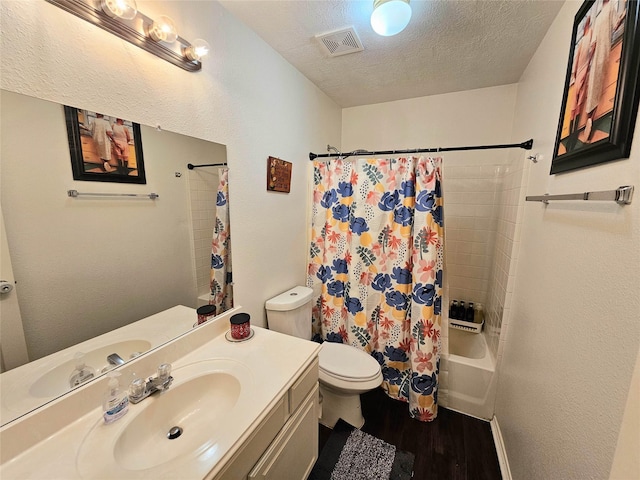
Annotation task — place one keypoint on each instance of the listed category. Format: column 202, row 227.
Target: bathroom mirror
column 88, row 265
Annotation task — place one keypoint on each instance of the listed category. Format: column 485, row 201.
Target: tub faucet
column 141, row 389
column 115, row 359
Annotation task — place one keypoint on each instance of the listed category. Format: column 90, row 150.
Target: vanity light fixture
column 198, row 49
column 390, row 17
column 163, row 30
column 125, row 9
column 122, row 18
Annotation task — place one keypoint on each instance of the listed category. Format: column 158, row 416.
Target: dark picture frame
column 104, row 148
column 601, row 91
column 278, row 175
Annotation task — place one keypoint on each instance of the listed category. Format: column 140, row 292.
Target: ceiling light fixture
column 390, row 17
column 122, row 18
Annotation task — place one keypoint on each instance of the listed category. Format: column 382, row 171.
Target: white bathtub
column 470, row 379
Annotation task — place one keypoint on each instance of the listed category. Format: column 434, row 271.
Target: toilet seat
column 347, row 363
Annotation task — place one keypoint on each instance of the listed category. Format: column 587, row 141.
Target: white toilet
column 345, row 371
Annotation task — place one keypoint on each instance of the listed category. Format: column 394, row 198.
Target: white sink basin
column 201, row 402
column 56, row 381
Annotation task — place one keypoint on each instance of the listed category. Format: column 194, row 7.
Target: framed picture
column 278, row 175
column 104, row 148
column 601, row 92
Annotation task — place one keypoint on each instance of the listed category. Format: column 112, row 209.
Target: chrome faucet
column 115, row 359
column 141, row 389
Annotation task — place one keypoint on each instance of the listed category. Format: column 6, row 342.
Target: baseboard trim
column 503, row 461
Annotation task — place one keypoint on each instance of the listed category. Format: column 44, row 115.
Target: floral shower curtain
column 221, row 278
column 375, row 267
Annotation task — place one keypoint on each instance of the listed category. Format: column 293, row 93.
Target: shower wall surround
column 482, row 237
column 203, row 185
column 505, row 251
column 471, row 196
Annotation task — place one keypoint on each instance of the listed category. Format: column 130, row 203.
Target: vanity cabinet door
column 251, row 452
column 301, row 388
column 294, row 452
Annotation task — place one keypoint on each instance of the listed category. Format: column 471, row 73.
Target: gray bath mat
column 351, row 454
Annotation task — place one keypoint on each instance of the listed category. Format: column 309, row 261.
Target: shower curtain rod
column 528, row 145
column 191, row 166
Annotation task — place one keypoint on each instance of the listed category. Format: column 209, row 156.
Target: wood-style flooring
column 452, row 447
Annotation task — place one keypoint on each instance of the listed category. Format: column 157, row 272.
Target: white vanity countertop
column 16, row 384
column 272, row 363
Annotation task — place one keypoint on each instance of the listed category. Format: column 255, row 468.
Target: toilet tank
column 290, row 312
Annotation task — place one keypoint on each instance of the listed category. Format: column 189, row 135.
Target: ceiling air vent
column 340, row 42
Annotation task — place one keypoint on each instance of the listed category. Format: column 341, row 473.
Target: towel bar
column 75, row 194
column 621, row 195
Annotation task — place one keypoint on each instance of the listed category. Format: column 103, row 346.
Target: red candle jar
column 206, row 312
column 240, row 326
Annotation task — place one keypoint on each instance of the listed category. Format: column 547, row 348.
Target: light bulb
column 198, row 49
column 390, row 17
column 163, row 30
column 125, row 9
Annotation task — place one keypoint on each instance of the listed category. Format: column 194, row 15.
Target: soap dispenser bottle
column 116, row 402
column 82, row 372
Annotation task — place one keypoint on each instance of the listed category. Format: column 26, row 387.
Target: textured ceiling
column 449, row 45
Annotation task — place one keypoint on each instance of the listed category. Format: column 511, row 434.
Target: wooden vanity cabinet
column 285, row 444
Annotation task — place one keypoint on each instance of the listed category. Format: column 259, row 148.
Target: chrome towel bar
column 75, row 194
column 621, row 195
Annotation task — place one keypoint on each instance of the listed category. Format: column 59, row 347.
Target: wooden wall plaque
column 278, row 175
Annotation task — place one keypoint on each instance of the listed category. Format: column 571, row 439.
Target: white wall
column 246, row 97
column 13, row 351
column 473, row 117
column 626, row 463
column 573, row 333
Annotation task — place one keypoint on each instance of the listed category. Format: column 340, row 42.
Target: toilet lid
column 347, row 362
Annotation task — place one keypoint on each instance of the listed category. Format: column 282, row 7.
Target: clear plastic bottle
column 81, row 372
column 116, row 401
column 479, row 314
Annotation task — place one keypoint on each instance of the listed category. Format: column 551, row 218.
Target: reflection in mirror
column 89, row 270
